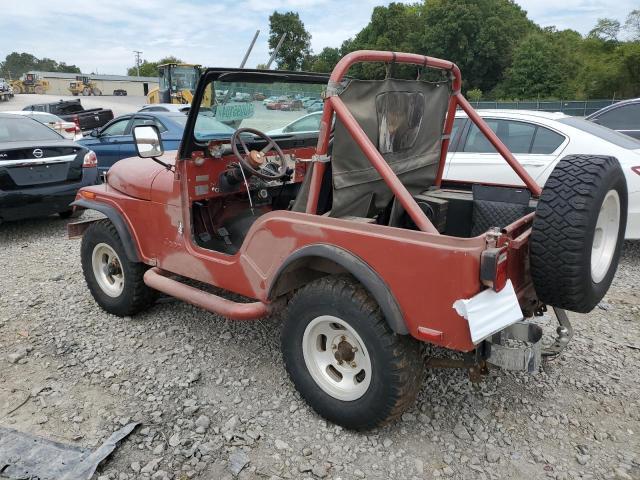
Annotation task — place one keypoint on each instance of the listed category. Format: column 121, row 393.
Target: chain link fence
column 578, row 108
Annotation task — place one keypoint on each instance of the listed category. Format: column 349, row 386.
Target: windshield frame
column 190, row 143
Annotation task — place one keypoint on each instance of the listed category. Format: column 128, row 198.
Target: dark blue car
column 114, row 141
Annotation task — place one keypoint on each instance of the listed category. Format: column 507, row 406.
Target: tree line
column 501, row 52
column 16, row 64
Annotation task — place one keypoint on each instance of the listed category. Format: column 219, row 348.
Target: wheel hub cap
column 107, row 269
column 336, row 358
column 605, row 237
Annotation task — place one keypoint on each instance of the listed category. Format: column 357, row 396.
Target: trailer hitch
column 565, row 334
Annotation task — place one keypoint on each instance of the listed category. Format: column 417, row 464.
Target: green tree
column 16, row 64
column 296, row 46
column 536, row 71
column 478, row 35
column 475, row 95
column 326, row 60
column 606, row 29
column 150, row 69
column 390, row 28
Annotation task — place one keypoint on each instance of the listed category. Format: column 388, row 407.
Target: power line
column 138, row 53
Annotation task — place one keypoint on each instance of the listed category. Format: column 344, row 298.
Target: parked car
column 259, row 96
column 306, row 103
column 623, row 117
column 166, row 107
column 68, row 130
column 40, row 171
column 270, row 99
column 120, row 92
column 73, row 111
column 539, row 140
column 316, row 106
column 115, row 141
column 308, row 124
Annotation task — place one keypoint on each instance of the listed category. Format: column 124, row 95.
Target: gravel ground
column 214, row 399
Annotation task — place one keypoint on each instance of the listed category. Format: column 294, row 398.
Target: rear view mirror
column 148, row 141
column 95, row 132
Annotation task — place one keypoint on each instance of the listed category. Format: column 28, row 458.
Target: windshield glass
column 20, row 129
column 604, row 133
column 276, row 108
column 184, row 78
column 207, row 127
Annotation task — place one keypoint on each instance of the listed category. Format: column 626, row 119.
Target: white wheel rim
column 605, row 237
column 336, row 358
column 107, row 269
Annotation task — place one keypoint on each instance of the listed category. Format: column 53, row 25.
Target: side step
column 158, row 280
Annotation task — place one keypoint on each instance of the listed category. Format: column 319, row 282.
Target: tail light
column 636, row 169
column 73, row 129
column 76, row 120
column 90, row 160
column 493, row 267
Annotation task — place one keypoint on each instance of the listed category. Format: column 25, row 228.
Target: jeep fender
column 124, row 232
column 354, row 266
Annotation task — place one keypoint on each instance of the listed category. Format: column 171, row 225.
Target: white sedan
column 539, row 140
column 67, row 129
column 306, row 124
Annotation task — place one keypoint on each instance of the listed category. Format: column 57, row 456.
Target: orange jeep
column 349, row 229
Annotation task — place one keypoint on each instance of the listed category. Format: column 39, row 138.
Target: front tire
column 115, row 282
column 344, row 359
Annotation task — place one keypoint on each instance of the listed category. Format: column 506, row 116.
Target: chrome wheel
column 107, row 269
column 605, row 237
column 337, row 358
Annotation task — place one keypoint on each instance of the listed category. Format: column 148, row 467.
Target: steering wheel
column 253, row 160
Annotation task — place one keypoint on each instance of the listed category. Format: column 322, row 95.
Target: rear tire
column 578, row 232
column 115, row 282
column 344, row 359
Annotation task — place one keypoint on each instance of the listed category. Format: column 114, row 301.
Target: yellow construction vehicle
column 85, row 86
column 30, row 83
column 177, row 83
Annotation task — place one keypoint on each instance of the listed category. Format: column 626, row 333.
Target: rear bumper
column 44, row 200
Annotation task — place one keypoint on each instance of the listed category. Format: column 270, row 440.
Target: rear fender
column 116, row 219
column 337, row 260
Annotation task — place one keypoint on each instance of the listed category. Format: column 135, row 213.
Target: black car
column 73, row 111
column 40, row 171
column 622, row 116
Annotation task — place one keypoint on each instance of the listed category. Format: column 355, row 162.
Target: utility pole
column 138, row 53
column 246, row 55
column 275, row 52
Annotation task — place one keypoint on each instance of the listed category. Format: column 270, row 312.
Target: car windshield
column 604, row 133
column 206, row 126
column 20, row 129
column 276, row 108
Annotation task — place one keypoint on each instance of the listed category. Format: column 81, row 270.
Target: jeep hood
column 134, row 176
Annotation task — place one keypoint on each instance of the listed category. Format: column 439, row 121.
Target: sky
column 100, row 36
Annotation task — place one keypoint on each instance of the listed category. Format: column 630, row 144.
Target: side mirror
column 148, row 141
column 95, row 132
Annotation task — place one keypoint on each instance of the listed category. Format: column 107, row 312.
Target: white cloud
column 103, row 35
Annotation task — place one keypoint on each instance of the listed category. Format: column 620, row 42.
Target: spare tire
column 578, row 231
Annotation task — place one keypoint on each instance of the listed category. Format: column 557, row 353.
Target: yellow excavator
column 84, row 86
column 177, row 83
column 30, row 83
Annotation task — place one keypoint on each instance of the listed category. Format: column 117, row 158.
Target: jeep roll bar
column 333, row 103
